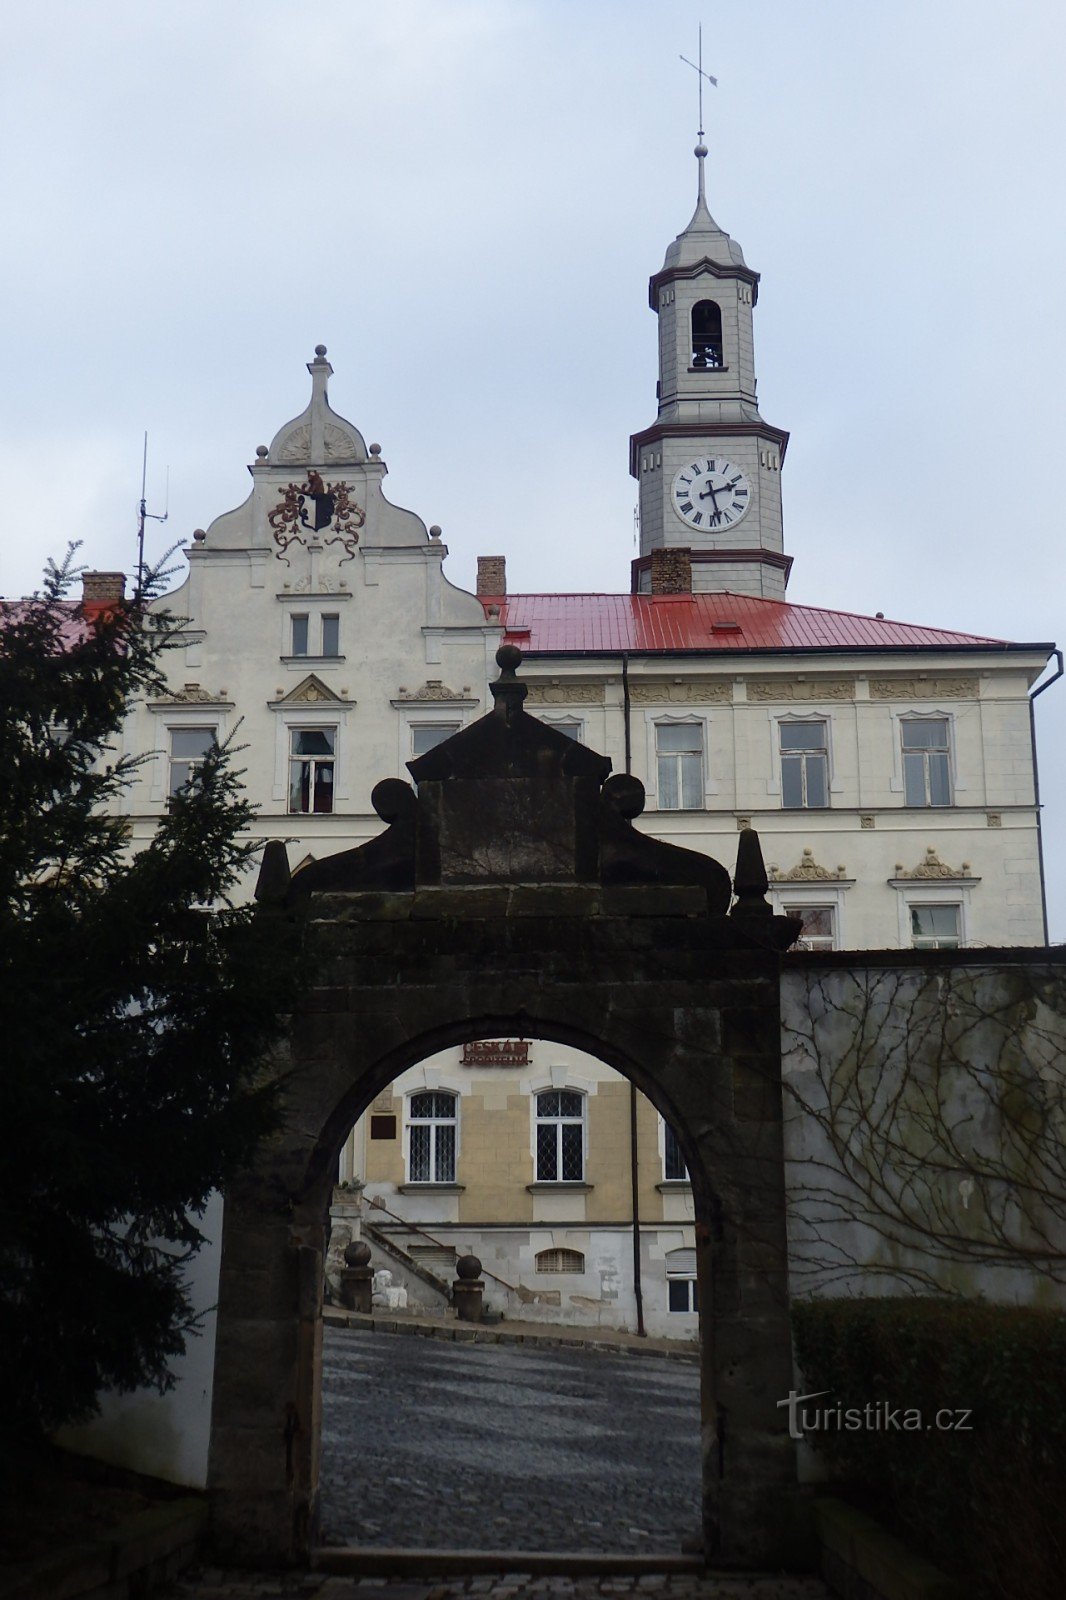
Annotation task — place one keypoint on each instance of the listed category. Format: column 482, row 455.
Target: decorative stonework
column 811, row 689
column 312, row 509
column 807, row 870
column 923, row 689
column 191, row 694
column 572, row 693
column 338, row 445
column 434, row 692
column 496, row 1053
column 693, row 692
column 867, row 820
column 932, row 868
column 311, row 692
column 994, row 819
column 742, row 823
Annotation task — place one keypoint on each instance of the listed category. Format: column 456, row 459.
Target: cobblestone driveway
column 427, row 1444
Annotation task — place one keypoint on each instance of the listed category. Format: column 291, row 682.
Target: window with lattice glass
column 560, row 1136
column 935, row 927
column 188, row 747
column 560, row 1261
column 674, row 1168
column 311, row 763
column 819, row 927
column 804, row 765
column 679, row 757
column 432, row 1123
column 926, row 761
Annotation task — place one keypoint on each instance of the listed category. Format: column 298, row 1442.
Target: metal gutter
column 1033, row 694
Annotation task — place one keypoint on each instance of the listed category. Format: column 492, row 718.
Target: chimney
column 492, row 575
column 100, row 587
column 671, row 571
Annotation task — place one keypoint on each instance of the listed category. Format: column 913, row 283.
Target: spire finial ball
column 700, row 150
column 320, row 349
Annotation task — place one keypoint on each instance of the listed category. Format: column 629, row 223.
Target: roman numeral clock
column 711, row 493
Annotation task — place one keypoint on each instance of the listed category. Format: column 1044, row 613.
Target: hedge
column 988, row 1502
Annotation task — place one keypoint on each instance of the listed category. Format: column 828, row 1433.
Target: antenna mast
column 144, row 515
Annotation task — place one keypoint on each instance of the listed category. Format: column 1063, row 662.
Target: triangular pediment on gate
column 310, row 692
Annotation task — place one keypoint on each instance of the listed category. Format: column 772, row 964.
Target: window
column 804, row 765
column 674, row 1168
column 681, row 1287
column 935, row 927
column 302, row 635
column 926, row 761
column 679, row 752
column 560, row 1136
column 432, row 1119
column 311, row 769
column 572, row 727
column 706, row 334
column 560, row 1261
column 188, row 746
column 427, row 735
column 819, row 926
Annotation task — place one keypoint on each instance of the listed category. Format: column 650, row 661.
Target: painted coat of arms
column 313, row 508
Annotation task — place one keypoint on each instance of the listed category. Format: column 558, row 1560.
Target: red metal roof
column 550, row 624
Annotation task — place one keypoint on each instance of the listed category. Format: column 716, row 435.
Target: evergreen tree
column 136, row 1006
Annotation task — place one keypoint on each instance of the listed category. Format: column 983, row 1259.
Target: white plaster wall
column 167, row 1436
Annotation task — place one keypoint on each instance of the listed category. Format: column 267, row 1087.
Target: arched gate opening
column 512, row 894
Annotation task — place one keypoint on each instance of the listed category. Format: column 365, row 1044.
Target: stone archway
column 513, row 894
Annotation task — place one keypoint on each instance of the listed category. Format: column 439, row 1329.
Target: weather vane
column 697, row 66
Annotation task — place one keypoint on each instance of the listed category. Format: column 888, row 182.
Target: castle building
column 888, row 767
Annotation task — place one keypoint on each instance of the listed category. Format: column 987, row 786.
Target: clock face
column 711, row 494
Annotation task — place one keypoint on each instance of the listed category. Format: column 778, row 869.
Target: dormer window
column 707, row 335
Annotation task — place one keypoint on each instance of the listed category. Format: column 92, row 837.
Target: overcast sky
column 464, row 200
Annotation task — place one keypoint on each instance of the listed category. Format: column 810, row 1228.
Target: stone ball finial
column 357, row 1254
column 320, row 350
column 261, row 451
column 199, row 535
column 392, row 798
column 435, row 531
column 508, row 657
column 624, row 794
column 375, row 450
column 467, row 1268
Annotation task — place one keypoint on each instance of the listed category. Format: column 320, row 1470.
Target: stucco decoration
column 316, row 510
column 339, row 444
column 311, row 692
column 191, row 694
column 570, row 693
column 809, row 692
column 692, row 692
column 931, row 867
column 807, row 870
column 434, row 692
column 923, row 689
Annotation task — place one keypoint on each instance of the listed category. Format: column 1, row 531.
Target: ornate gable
column 311, row 692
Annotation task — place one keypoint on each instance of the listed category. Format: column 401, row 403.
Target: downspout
column 1036, row 785
column 638, row 1293
column 634, row 1175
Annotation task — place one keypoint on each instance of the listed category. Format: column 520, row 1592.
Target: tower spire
column 700, row 151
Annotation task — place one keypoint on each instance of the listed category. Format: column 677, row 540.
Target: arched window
column 707, row 334
column 432, row 1125
column 560, row 1261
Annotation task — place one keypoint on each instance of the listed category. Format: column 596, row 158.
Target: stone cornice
column 696, row 269
column 703, row 430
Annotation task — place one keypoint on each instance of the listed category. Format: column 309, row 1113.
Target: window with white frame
column 819, row 926
column 571, row 726
column 312, row 757
column 674, row 1168
column 188, row 747
column 427, row 735
column 681, row 1287
column 560, row 1136
column 432, row 1121
column 559, row 1261
column 936, row 927
column 679, row 759
column 926, row 761
column 307, row 632
column 804, row 765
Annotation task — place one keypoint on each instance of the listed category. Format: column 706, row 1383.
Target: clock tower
column 709, row 467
